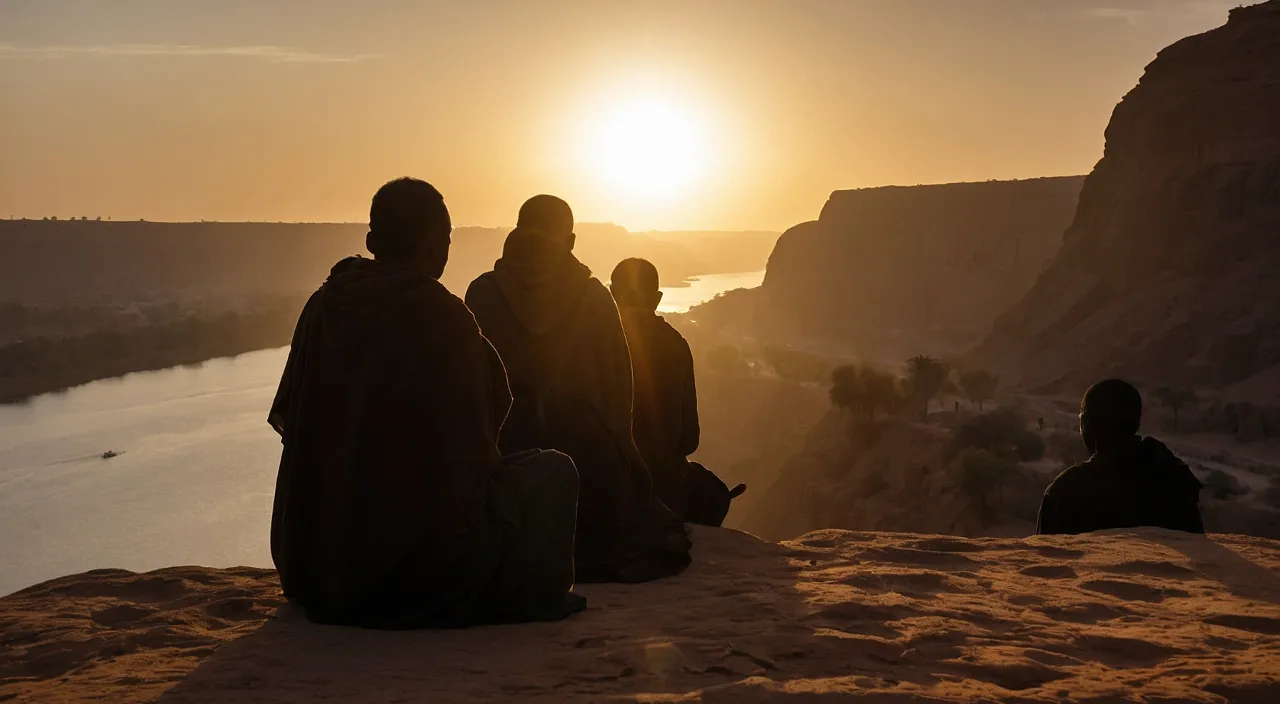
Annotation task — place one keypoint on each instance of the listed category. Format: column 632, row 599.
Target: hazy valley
column 896, row 381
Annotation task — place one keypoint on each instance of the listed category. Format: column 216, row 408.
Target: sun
column 648, row 149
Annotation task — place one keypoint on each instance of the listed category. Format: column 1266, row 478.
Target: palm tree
column 979, row 386
column 1175, row 400
column 926, row 377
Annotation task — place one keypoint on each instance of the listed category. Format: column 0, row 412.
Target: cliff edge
column 1133, row 616
column 904, row 270
column 1171, row 268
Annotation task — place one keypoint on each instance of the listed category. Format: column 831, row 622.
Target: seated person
column 393, row 506
column 560, row 338
column 666, row 400
column 1130, row 481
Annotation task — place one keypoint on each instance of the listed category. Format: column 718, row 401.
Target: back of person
column 560, row 337
column 666, row 400
column 665, row 432
column 361, row 478
column 1128, row 482
column 393, row 507
column 1142, row 485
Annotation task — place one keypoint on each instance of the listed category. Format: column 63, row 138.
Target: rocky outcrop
column 1171, row 268
column 1149, row 615
column 920, row 269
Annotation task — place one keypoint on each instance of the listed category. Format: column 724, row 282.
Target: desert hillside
column 1171, row 268
column 901, row 269
column 1117, row 617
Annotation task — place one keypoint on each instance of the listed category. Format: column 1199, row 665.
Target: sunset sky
column 730, row 114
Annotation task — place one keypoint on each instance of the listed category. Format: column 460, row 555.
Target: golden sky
column 681, row 114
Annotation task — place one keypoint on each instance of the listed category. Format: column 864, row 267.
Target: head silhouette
column 548, row 217
column 1110, row 414
column 634, row 284
column 409, row 224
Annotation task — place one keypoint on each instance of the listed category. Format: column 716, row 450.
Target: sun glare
column 648, row 149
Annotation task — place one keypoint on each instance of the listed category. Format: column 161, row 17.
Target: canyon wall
column 1170, row 272
column 905, row 270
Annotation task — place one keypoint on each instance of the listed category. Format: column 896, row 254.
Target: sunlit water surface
column 194, row 482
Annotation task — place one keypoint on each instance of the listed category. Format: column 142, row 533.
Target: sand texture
column 1150, row 616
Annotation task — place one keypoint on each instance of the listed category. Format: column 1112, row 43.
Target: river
column 194, row 480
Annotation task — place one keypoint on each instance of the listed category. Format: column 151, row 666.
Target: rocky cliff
column 1171, row 268
column 920, row 269
column 1141, row 616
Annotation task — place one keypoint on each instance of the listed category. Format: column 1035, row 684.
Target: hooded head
column 539, row 276
column 1110, row 415
column 409, row 224
column 634, row 284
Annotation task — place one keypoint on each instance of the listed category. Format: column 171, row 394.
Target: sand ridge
column 1149, row 615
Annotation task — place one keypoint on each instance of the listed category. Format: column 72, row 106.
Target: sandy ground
column 1146, row 616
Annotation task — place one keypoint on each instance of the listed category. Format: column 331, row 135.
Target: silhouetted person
column 666, row 400
column 1129, row 481
column 559, row 335
column 393, row 506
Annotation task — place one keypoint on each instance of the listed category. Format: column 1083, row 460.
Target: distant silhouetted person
column 393, row 506
column 559, row 335
column 1130, row 481
column 666, row 401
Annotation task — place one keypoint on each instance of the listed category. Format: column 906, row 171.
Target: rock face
column 925, row 267
column 1145, row 616
column 1171, row 268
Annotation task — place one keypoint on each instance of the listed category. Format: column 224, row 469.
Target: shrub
column 1000, row 432
column 979, row 471
column 1223, row 486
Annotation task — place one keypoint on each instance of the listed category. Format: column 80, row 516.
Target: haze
column 669, row 115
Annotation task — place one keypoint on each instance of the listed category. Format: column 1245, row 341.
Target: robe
column 1140, row 484
column 666, row 420
column 393, row 506
column 666, row 402
column 559, row 335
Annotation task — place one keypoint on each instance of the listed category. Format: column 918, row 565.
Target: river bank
column 54, row 362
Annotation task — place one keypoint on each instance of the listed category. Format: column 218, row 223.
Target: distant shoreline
column 31, row 368
column 53, row 363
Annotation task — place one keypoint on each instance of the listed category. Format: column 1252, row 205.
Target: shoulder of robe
column 443, row 307
column 597, row 295
column 673, row 337
column 1070, row 479
column 480, row 289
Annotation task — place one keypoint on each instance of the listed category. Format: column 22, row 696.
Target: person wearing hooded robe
column 1129, row 481
column 666, row 400
column 559, row 335
column 393, row 506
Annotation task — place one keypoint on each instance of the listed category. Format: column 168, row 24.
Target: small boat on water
column 109, row 454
